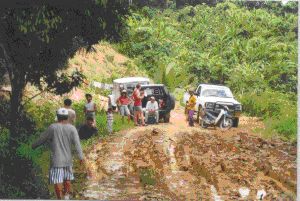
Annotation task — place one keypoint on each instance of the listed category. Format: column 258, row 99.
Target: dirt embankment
column 101, row 65
column 176, row 162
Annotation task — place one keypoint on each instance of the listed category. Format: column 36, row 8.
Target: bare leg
column 138, row 117
column 142, row 117
column 146, row 116
column 135, row 117
column 128, row 119
column 67, row 187
column 157, row 116
column 59, row 191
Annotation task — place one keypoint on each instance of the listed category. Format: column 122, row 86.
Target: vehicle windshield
column 222, row 93
column 130, row 88
column 149, row 91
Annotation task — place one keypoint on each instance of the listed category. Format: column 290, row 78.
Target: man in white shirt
column 152, row 109
column 72, row 114
column 90, row 107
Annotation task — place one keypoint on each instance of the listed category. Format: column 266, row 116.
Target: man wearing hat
column 61, row 136
column 123, row 102
column 152, row 109
column 191, row 107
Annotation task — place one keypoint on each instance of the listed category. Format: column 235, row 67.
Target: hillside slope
column 104, row 64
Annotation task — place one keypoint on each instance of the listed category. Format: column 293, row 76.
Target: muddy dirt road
column 175, row 162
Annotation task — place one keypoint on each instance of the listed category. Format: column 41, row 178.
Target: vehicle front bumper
column 233, row 113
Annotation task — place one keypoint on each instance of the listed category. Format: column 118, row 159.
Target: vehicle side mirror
column 197, row 94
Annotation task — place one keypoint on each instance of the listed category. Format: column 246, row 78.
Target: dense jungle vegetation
column 251, row 50
column 251, row 47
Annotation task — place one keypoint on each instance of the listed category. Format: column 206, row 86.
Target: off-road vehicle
column 127, row 83
column 166, row 101
column 212, row 97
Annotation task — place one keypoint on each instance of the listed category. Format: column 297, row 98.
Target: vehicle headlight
column 238, row 107
column 209, row 105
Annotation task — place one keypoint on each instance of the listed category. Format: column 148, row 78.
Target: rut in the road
column 191, row 164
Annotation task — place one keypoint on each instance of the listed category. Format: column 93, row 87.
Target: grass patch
column 147, row 176
column 41, row 156
column 278, row 111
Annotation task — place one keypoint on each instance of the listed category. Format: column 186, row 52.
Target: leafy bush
column 23, row 180
column 278, row 110
column 4, row 138
column 267, row 104
column 147, row 177
column 250, row 48
column 43, row 112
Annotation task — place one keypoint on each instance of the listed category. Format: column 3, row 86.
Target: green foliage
column 147, row 177
column 101, row 120
column 287, row 126
column 119, row 124
column 4, row 137
column 250, row 48
column 278, row 110
column 267, row 104
column 226, row 44
column 43, row 112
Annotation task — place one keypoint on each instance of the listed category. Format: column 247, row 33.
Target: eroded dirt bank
column 175, row 162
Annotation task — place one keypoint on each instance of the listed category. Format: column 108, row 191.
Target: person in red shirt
column 123, row 102
column 138, row 112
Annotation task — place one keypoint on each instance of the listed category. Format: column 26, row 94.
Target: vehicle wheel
column 172, row 102
column 227, row 124
column 167, row 118
column 202, row 123
column 235, row 122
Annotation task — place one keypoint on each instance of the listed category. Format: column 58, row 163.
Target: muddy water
column 191, row 164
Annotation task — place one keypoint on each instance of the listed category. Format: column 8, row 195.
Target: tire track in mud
column 191, row 164
column 239, row 172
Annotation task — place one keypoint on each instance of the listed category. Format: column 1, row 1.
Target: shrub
column 4, row 137
column 147, row 176
column 278, row 110
column 43, row 112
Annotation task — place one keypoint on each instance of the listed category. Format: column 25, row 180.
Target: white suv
column 210, row 97
column 127, row 83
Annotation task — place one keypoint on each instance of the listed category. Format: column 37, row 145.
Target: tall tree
column 37, row 39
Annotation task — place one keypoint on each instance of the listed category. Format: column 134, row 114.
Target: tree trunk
column 180, row 3
column 17, row 86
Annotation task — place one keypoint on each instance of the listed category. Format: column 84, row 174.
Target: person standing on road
column 72, row 114
column 191, row 107
column 90, row 107
column 138, row 112
column 152, row 108
column 123, row 103
column 110, row 120
column 61, row 136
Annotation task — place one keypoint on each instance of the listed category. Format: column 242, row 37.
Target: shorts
column 57, row 175
column 138, row 108
column 124, row 110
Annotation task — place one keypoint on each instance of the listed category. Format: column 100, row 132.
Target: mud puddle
column 175, row 162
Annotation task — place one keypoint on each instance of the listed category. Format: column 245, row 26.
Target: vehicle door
column 198, row 95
